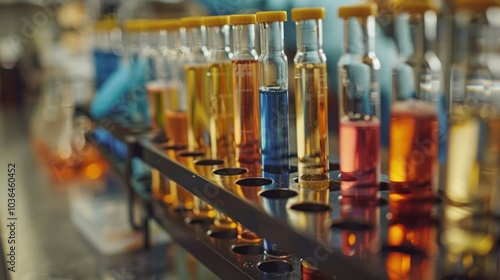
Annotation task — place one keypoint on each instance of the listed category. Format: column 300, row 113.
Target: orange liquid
column 414, row 149
column 176, row 125
column 247, row 111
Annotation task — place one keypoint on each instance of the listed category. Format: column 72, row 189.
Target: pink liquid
column 359, row 145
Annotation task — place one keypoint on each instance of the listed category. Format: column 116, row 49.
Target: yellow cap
column 308, row 13
column 168, row 24
column 363, row 10
column 136, row 25
column 192, row 22
column 271, row 16
column 216, row 20
column 106, row 24
column 474, row 5
column 412, row 7
column 242, row 19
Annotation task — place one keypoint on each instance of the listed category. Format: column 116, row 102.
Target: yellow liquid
column 198, row 108
column 174, row 102
column 312, row 123
column 473, row 156
column 220, row 89
column 157, row 101
column 160, row 187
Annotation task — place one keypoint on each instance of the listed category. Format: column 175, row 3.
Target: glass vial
column 359, row 103
column 273, row 92
column 246, row 93
column 195, row 69
column 473, row 144
column 311, row 99
column 416, row 93
column 220, row 88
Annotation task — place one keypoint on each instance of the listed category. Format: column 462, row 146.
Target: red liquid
column 247, row 111
column 359, row 157
column 413, row 150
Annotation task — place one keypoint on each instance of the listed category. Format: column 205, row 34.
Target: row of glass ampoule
column 232, row 104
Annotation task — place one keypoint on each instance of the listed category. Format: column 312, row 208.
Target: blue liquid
column 274, row 135
column 105, row 63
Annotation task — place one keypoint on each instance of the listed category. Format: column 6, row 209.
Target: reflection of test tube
column 204, row 167
column 274, row 98
column 414, row 129
column 195, row 77
column 416, row 231
column 311, row 99
column 172, row 75
column 181, row 198
column 246, row 90
column 220, row 88
column 359, row 103
column 360, row 243
column 226, row 178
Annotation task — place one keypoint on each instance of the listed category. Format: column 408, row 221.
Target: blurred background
column 47, row 68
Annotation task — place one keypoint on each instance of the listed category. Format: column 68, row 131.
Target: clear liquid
column 247, row 112
column 198, row 108
column 414, row 137
column 312, row 124
column 220, row 90
column 359, row 145
column 274, row 135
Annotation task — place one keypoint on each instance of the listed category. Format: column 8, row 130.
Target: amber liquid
column 312, row 125
column 181, row 199
column 157, row 94
column 414, row 134
column 247, row 111
column 198, row 108
column 176, row 124
column 473, row 156
column 220, row 89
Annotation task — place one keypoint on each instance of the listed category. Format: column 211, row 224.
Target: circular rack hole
column 278, row 193
column 254, row 182
column 249, row 250
column 352, row 225
column 160, row 138
column 275, row 267
column 223, row 234
column 334, row 166
column 174, row 147
column 310, row 207
column 276, row 254
column 412, row 251
column 230, row 171
column 199, row 220
column 383, row 186
column 296, row 180
column 208, row 162
column 293, row 168
column 190, row 154
column 334, row 185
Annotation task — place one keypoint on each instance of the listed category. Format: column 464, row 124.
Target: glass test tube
column 226, row 178
column 204, row 167
column 181, row 198
column 359, row 103
column 414, row 128
column 220, row 88
column 273, row 91
column 311, row 99
column 172, row 75
column 473, row 144
column 246, row 91
column 195, row 70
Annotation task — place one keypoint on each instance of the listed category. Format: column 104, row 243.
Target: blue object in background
column 105, row 63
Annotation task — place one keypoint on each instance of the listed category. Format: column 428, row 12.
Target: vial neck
column 244, row 40
column 196, row 37
column 218, row 38
column 309, row 35
column 359, row 36
column 272, row 36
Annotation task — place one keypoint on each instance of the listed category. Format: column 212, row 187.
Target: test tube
column 311, row 104
column 195, row 69
column 414, row 129
column 246, row 91
column 204, row 167
column 359, row 103
column 220, row 88
column 473, row 147
column 273, row 92
column 172, row 76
